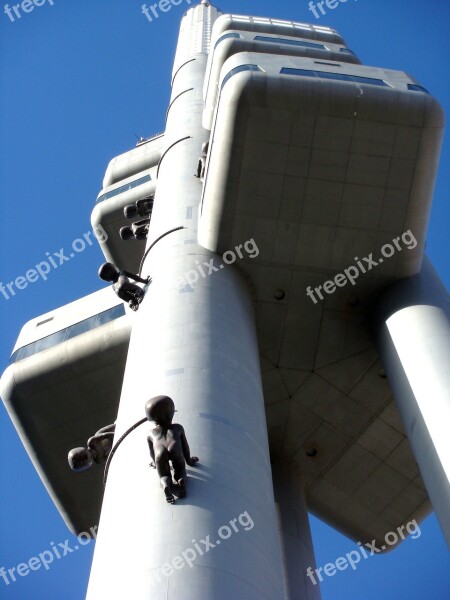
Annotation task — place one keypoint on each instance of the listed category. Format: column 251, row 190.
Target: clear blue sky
column 78, row 79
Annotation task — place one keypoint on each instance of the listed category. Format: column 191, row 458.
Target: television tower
column 276, row 232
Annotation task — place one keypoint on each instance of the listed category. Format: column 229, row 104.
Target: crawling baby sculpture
column 168, row 444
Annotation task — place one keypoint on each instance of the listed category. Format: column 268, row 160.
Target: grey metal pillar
column 196, row 343
column 413, row 334
column 295, row 534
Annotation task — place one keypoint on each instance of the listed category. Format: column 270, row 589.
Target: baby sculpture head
column 160, row 409
column 108, row 272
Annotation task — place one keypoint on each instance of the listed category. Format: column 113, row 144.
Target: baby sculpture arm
column 152, row 451
column 191, row 460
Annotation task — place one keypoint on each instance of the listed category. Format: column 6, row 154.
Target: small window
column 417, row 88
column 40, row 345
column 123, row 188
column 82, row 327
column 44, row 321
column 335, row 76
column 330, row 64
column 300, row 43
column 227, row 36
column 347, row 51
column 369, row 80
column 237, row 70
column 68, row 333
column 300, row 72
column 109, row 315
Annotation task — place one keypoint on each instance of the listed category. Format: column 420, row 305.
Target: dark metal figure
column 168, row 444
column 124, row 288
column 202, row 161
column 137, row 231
column 98, row 448
column 141, row 208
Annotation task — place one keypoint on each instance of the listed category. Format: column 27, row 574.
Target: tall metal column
column 197, row 344
column 413, row 334
column 295, row 534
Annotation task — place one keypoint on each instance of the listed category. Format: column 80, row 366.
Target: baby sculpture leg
column 163, row 468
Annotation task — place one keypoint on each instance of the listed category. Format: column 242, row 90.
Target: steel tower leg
column 413, row 334
column 295, row 534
